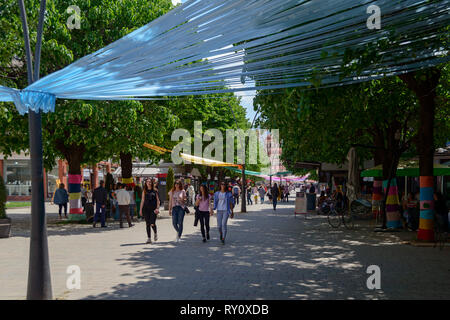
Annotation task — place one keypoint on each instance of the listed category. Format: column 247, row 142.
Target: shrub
column 2, row 199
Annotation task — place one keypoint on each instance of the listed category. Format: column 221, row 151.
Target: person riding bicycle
column 322, row 199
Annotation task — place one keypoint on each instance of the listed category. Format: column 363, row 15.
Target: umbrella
column 407, row 168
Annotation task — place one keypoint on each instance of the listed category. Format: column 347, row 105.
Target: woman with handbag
column 177, row 207
column 203, row 203
column 150, row 208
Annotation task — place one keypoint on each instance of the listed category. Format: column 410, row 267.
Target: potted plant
column 169, row 184
column 5, row 222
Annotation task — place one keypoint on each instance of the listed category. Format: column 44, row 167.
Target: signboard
column 300, row 203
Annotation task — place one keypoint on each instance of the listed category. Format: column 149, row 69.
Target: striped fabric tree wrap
column 393, row 218
column 76, row 209
column 128, row 181
column 377, row 197
column 426, row 224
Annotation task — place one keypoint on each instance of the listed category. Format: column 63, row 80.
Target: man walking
column 236, row 193
column 123, row 200
column 262, row 193
column 100, row 198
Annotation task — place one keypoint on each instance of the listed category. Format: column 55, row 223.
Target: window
column 18, row 177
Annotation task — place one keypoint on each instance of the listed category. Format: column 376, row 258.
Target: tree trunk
column 126, row 163
column 424, row 86
column 377, row 190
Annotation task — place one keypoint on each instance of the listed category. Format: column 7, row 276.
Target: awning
column 142, row 171
column 407, row 168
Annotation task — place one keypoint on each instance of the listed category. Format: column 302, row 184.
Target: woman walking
column 137, row 197
column 203, row 203
column 150, row 208
column 61, row 198
column 177, row 205
column 223, row 203
column 275, row 194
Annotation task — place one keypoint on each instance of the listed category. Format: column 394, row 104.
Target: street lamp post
column 39, row 281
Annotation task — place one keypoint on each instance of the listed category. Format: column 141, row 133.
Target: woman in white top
column 177, row 205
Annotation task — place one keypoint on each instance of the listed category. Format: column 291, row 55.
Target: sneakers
column 155, row 237
column 149, row 240
column 177, row 238
column 223, row 240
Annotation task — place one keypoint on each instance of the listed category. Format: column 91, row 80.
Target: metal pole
column 39, row 281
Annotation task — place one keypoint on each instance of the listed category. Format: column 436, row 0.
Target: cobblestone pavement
column 268, row 255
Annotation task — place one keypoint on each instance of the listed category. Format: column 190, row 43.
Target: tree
column 170, row 179
column 214, row 112
column 72, row 131
column 322, row 125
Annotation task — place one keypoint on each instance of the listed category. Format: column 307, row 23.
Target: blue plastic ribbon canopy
column 214, row 46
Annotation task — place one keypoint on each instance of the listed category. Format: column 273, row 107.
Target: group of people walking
column 223, row 202
column 147, row 203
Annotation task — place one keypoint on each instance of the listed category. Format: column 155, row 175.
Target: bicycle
column 337, row 216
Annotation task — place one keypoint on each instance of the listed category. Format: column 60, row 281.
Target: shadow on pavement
column 275, row 256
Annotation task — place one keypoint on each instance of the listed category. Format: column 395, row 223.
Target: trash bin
column 300, row 203
column 311, row 201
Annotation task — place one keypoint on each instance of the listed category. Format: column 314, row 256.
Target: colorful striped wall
column 76, row 209
column 393, row 218
column 426, row 224
column 377, row 197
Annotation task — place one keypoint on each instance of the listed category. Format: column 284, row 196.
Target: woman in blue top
column 223, row 203
column 61, row 198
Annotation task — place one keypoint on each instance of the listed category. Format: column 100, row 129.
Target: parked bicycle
column 338, row 215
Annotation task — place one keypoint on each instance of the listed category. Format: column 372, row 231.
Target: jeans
column 83, row 203
column 204, row 222
column 132, row 206
column 125, row 211
column 117, row 213
column 63, row 205
column 236, row 198
column 262, row 199
column 101, row 211
column 274, row 203
column 177, row 219
column 249, row 199
column 222, row 220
